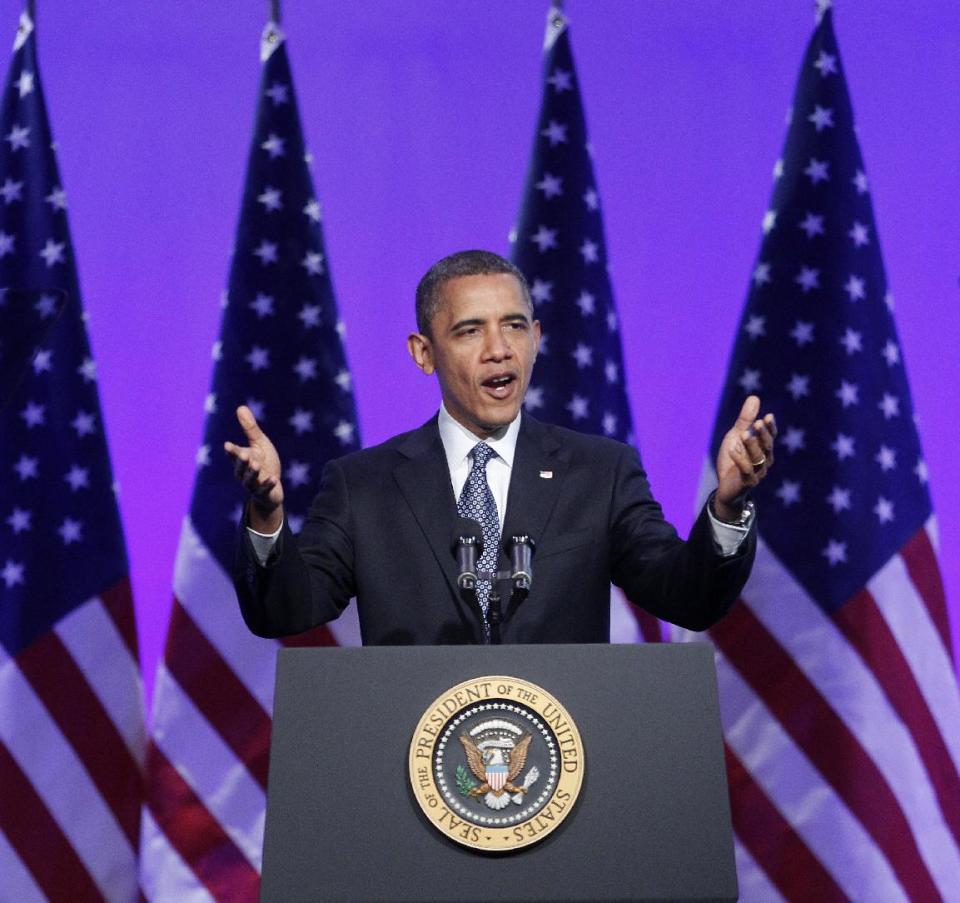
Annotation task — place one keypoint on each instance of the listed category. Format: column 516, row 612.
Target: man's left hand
column 745, row 457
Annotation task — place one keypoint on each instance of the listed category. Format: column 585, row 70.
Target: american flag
column 71, row 707
column 838, row 693
column 279, row 352
column 558, row 244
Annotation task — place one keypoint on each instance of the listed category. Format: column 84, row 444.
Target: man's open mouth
column 500, row 385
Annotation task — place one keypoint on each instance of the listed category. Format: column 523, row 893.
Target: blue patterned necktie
column 477, row 502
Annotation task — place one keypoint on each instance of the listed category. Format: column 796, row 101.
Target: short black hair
column 453, row 266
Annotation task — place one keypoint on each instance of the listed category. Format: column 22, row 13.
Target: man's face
column 482, row 344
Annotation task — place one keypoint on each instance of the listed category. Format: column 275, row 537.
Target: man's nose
column 496, row 347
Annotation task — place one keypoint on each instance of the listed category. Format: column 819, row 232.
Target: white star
column 583, row 355
column 6, row 243
column 839, row 499
column 551, row 186
column 921, row 471
column 344, row 380
column 808, row 279
column 274, row 146
column 769, row 221
column 19, row 520
column 225, row 299
column 609, row 423
column 835, row 552
column 313, row 263
column 884, row 510
column 19, row 137
column 793, row 439
column 855, row 288
column 826, row 63
column 534, row 398
column 310, row 315
column 266, row 251
column 817, row 171
column 306, row 368
column 860, row 234
column 555, row 133
column 886, row 458
column 586, row 303
column 891, row 353
column 578, row 407
column 589, row 250
column 258, row 408
column 270, row 199
column 296, row 523
column 560, row 79
column 542, row 350
column 611, row 372
column 888, row 300
column 57, row 199
column 33, row 414
column 848, row 393
column 24, row 83
column 860, row 181
column 890, row 405
column 216, row 352
column 258, row 358
column 210, row 403
column 88, row 370
column 277, row 92
column 843, row 446
column 341, row 329
column 78, row 477
column 541, row 291
column 611, row 320
column 11, row 191
column 53, row 252
column 821, row 117
column 591, row 199
column 755, row 327
column 70, row 531
column 301, row 421
column 761, row 275
column 789, row 492
column 544, row 238
column 12, row 573
column 802, row 333
column 41, row 361
column 344, row 432
column 26, row 467
column 263, row 305
column 750, row 380
column 298, row 473
column 798, row 386
column 83, row 424
column 46, row 306
column 852, row 341
column 312, row 210
column 203, row 456
column 778, row 169
column 812, row 224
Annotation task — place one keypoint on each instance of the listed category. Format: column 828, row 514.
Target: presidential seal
column 496, row 763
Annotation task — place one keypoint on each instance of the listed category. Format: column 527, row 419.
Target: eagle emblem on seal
column 496, row 752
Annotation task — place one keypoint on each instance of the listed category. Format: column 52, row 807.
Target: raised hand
column 257, row 466
column 745, row 457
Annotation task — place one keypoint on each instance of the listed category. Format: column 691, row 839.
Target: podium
column 651, row 821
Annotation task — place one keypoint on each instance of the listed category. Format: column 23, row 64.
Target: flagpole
column 274, row 11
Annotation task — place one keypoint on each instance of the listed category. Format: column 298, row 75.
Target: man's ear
column 421, row 351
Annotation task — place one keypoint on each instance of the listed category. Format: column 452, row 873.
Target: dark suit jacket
column 380, row 530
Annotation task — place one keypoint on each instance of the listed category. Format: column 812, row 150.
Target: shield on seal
column 496, row 774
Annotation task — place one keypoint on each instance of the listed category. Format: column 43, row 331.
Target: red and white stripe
column 843, row 735
column 71, row 758
column 207, row 760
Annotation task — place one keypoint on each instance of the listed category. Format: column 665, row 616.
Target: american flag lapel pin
column 546, row 474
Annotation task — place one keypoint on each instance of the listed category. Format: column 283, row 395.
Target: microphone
column 520, row 547
column 467, row 546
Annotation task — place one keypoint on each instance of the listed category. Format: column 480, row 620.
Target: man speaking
column 380, row 527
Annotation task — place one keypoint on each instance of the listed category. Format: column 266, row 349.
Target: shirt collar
column 458, row 441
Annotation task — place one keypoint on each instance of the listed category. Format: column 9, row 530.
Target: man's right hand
column 257, row 466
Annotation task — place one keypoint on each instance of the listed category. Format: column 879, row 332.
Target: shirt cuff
column 728, row 537
column 263, row 543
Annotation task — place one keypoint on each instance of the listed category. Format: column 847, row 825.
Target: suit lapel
column 539, row 466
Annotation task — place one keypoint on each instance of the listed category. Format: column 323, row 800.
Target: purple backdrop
column 420, row 117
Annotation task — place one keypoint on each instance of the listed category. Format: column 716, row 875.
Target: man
column 380, row 528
